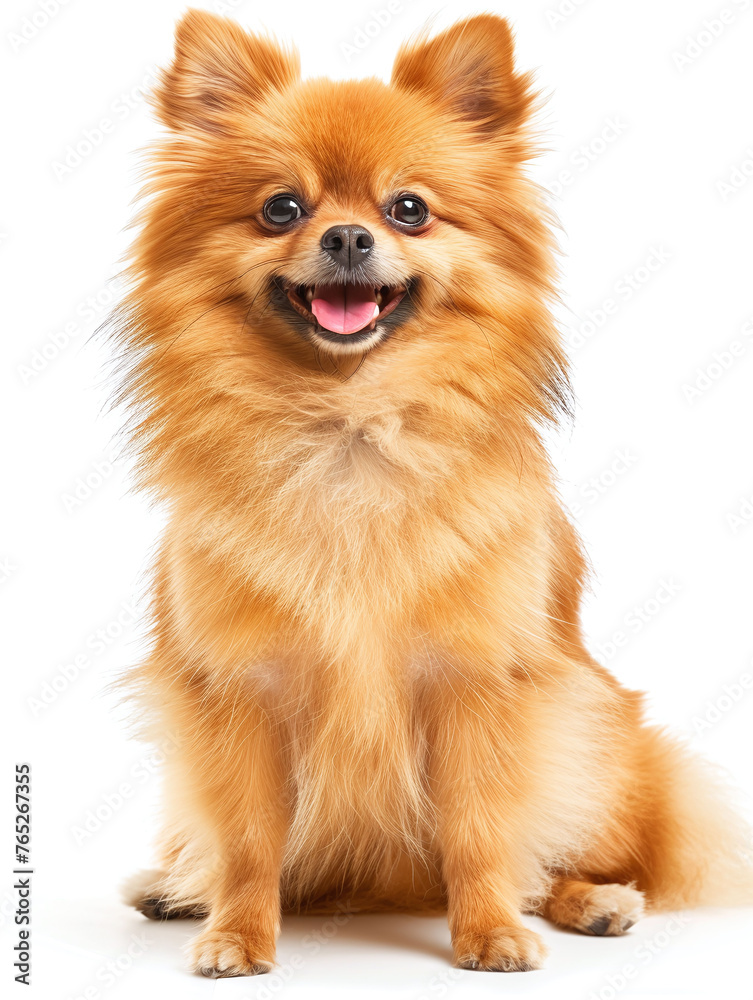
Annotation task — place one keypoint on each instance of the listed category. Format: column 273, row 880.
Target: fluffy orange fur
column 366, row 640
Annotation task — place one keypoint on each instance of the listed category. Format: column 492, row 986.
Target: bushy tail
column 699, row 849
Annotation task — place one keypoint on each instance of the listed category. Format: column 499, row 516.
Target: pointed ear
column 469, row 71
column 218, row 69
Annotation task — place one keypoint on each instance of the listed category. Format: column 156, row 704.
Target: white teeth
column 378, row 298
column 309, row 293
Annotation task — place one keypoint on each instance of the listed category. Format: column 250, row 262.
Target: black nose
column 348, row 245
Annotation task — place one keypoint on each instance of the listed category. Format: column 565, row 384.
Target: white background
column 668, row 181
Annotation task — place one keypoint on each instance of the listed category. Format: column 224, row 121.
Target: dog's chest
column 347, row 514
column 349, row 458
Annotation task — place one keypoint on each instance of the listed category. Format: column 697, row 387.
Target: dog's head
column 340, row 211
column 290, row 223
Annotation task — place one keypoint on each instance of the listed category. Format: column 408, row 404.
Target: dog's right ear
column 219, row 70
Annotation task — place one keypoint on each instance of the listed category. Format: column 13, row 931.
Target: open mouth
column 344, row 310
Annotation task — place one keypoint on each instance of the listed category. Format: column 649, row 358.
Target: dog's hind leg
column 147, row 892
column 608, row 909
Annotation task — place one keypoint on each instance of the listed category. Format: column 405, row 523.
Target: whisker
column 449, row 295
column 261, row 263
column 356, row 369
column 206, row 312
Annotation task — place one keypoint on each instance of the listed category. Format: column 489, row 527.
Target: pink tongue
column 344, row 308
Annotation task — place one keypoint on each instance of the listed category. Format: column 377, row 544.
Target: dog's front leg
column 235, row 776
column 478, row 781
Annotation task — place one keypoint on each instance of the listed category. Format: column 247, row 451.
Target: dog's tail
column 697, row 848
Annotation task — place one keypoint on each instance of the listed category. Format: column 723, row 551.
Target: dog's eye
column 282, row 210
column 409, row 210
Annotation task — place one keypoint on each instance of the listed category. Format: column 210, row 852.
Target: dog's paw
column 504, row 949
column 609, row 910
column 142, row 891
column 146, row 893
column 160, row 908
column 221, row 954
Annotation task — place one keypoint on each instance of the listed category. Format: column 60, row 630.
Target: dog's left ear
column 469, row 71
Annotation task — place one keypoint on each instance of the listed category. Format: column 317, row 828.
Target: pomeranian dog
column 339, row 360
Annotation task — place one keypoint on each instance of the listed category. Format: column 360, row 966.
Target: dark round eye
column 282, row 210
column 409, row 210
